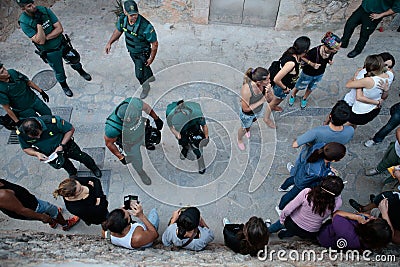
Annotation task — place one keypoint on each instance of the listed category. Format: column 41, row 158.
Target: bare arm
column 40, row 37
column 66, row 138
column 140, row 236
column 153, row 53
column 34, row 86
column 288, row 67
column 295, row 144
column 57, row 30
column 375, row 16
column 9, row 202
column 32, row 152
column 360, row 97
column 205, row 130
column 175, row 132
column 114, row 37
column 245, row 99
column 359, row 217
column 112, row 147
column 146, row 108
column 10, row 113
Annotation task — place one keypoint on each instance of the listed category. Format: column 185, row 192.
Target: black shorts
column 362, row 119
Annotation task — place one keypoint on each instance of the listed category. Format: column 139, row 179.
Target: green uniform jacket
column 54, row 129
column 17, row 93
column 132, row 132
column 182, row 122
column 28, row 26
column 380, row 6
column 137, row 36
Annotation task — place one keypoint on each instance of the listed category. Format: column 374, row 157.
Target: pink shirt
column 301, row 212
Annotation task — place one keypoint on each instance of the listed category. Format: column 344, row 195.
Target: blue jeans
column 393, row 122
column 46, row 207
column 154, row 220
column 289, row 196
column 308, row 82
column 278, row 92
column 275, row 227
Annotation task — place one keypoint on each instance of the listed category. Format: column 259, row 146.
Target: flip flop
column 248, row 134
column 241, row 146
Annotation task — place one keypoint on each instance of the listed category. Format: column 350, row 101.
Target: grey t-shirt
column 170, row 238
column 324, row 134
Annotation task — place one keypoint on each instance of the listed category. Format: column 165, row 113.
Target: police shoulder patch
column 53, row 120
column 17, row 132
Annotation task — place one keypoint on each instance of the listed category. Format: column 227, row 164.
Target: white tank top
column 126, row 240
column 374, row 93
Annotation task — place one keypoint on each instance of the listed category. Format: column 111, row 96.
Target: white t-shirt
column 374, row 93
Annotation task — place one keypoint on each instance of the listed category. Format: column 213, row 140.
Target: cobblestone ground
column 236, row 185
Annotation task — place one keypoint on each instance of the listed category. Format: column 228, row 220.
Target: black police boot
column 145, row 178
column 96, row 171
column 183, row 153
column 202, row 166
column 353, row 53
column 84, row 74
column 66, row 89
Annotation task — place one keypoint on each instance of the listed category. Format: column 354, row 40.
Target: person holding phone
column 130, row 234
column 84, row 197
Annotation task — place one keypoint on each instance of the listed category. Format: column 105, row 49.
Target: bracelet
column 62, row 145
column 121, row 158
column 309, row 62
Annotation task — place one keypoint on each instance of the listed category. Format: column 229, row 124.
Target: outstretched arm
column 114, row 37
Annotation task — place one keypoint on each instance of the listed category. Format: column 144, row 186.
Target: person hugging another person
column 248, row 238
column 304, row 215
column 316, row 61
column 188, row 230
column 253, row 95
column 285, row 75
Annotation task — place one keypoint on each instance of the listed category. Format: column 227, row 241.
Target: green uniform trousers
column 142, row 72
column 73, row 151
column 368, row 26
column 134, row 156
column 389, row 159
column 55, row 60
column 38, row 106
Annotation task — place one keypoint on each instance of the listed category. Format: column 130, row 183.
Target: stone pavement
column 204, row 63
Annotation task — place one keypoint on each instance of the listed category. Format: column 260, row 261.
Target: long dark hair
column 374, row 234
column 254, row 236
column 331, row 152
column 300, row 46
column 322, row 197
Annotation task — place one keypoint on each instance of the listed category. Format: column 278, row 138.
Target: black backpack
column 273, row 70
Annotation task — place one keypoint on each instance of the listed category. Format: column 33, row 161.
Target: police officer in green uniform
column 44, row 135
column 42, row 26
column 126, row 126
column 186, row 121
column 18, row 98
column 369, row 14
column 141, row 42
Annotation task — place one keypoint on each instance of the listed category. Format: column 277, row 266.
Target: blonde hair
column 66, row 188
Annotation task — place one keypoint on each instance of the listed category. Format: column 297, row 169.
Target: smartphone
column 128, row 200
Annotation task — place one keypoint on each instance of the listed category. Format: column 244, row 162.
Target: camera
column 128, row 200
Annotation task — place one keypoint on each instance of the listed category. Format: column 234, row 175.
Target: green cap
column 22, row 3
column 131, row 7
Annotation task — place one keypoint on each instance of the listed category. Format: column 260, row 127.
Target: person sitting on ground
column 390, row 158
column 130, row 234
column 304, row 215
column 248, row 238
column 309, row 170
column 188, row 230
column 252, row 98
column 18, row 203
column 388, row 210
column 361, row 231
column 316, row 61
column 84, row 197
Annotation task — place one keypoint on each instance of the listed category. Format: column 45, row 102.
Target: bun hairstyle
column 332, row 151
column 322, row 197
column 256, row 75
column 330, row 40
column 374, row 65
column 300, row 46
column 188, row 220
column 66, row 188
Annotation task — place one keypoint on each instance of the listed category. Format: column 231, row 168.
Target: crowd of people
column 311, row 205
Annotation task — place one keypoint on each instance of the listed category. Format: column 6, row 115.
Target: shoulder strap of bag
column 191, row 238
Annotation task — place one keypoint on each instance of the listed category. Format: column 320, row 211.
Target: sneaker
column 67, row 91
column 267, row 223
column 292, row 99
column 225, row 221
column 371, row 172
column 289, row 166
column 280, row 189
column 70, row 222
column 279, row 211
column 369, row 143
column 303, row 103
column 357, row 206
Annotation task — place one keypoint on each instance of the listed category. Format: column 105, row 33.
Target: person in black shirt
column 315, row 64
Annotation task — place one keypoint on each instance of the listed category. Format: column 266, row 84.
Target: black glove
column 45, row 96
column 39, row 17
column 18, row 123
column 159, row 123
column 123, row 161
column 205, row 141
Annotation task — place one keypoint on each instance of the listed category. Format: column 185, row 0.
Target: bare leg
column 267, row 115
column 294, row 92
column 306, row 94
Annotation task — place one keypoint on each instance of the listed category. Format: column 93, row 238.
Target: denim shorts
column 278, row 92
column 247, row 120
column 308, row 82
column 46, row 207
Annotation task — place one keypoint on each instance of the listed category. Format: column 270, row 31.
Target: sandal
column 248, row 134
column 277, row 108
column 241, row 146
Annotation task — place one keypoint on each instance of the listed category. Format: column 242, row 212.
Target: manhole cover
column 45, row 79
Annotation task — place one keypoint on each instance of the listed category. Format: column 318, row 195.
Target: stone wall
column 9, row 13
